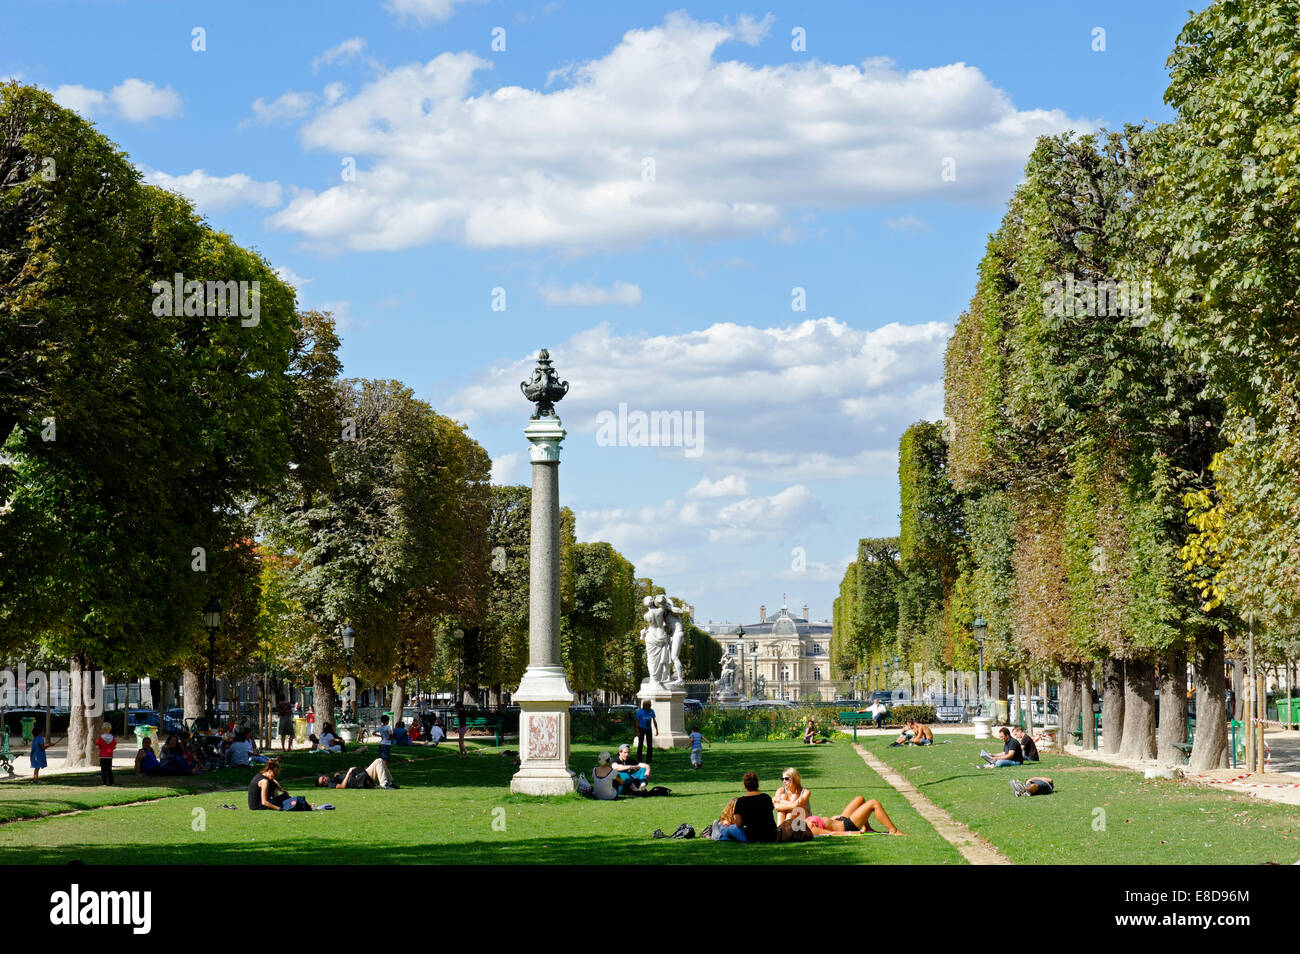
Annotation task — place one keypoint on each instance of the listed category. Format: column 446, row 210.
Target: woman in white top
column 605, row 778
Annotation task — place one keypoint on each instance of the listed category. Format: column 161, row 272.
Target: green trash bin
column 1288, row 710
column 29, row 728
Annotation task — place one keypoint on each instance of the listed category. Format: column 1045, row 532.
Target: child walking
column 697, row 747
column 107, row 742
column 37, row 756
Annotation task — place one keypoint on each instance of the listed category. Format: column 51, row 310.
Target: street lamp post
column 740, row 641
column 349, row 641
column 980, row 630
column 212, row 622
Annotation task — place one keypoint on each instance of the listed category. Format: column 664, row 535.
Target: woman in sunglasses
column 791, row 800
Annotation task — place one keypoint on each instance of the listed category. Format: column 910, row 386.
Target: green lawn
column 1156, row 822
column 445, row 810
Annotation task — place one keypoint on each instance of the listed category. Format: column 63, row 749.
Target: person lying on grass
column 854, row 820
column 1035, row 786
column 374, row 775
column 791, row 800
column 1028, row 748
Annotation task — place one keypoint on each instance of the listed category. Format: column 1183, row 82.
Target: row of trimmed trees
column 160, row 451
column 1113, row 488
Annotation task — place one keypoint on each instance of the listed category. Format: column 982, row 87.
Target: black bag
column 295, row 804
column 659, row 790
column 683, row 831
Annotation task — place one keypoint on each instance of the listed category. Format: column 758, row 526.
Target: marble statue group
column 663, row 637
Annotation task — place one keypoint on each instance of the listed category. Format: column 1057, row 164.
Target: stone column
column 543, row 695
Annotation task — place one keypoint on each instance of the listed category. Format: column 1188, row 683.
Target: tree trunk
column 399, row 699
column 1089, row 739
column 193, row 699
column 1173, row 707
column 1139, row 738
column 1210, row 747
column 1112, row 704
column 1029, row 705
column 1238, row 704
column 80, row 737
column 1068, row 707
column 323, row 699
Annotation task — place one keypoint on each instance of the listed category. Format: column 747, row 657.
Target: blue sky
column 650, row 189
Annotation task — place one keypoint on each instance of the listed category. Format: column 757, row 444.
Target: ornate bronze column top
column 545, row 389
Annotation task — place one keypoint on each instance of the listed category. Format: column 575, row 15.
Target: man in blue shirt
column 645, row 721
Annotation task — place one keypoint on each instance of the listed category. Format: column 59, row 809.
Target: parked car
column 622, row 709
column 891, row 697
column 692, row 706
column 770, row 705
column 582, row 710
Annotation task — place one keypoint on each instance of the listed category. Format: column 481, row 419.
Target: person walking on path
column 645, row 721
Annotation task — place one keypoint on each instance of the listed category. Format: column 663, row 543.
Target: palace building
column 785, row 656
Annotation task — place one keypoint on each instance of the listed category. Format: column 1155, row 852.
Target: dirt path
column 973, row 848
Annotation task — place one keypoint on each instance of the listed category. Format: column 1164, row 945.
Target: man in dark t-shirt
column 1027, row 745
column 754, row 812
column 1011, row 753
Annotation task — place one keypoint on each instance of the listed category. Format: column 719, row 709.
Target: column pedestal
column 543, row 699
column 669, row 713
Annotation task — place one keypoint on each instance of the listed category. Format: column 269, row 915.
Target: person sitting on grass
column 808, row 735
column 907, row 735
column 1011, row 752
column 265, row 793
column 634, row 776
column 922, row 734
column 1035, row 786
column 1028, row 747
column 753, row 812
column 329, row 741
column 400, row 734
column 605, row 779
column 374, row 775
column 436, row 732
column 791, row 800
column 725, row 828
column 854, row 820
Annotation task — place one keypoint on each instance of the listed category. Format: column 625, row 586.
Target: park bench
column 492, row 724
column 7, row 756
column 854, row 718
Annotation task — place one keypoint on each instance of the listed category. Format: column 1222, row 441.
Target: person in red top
column 107, row 743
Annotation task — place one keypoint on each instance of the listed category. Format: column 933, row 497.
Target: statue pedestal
column 543, row 699
column 669, row 713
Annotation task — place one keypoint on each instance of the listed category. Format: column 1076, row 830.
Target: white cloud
column 423, row 10
column 137, row 101
column 506, row 469
column 729, row 486
column 217, row 193
column 814, row 400
column 777, row 515
column 80, row 99
column 349, row 49
column 334, row 92
column 134, row 100
column 751, row 31
column 289, row 278
column 287, row 106
column 907, row 223
column 736, row 148
column 621, row 293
